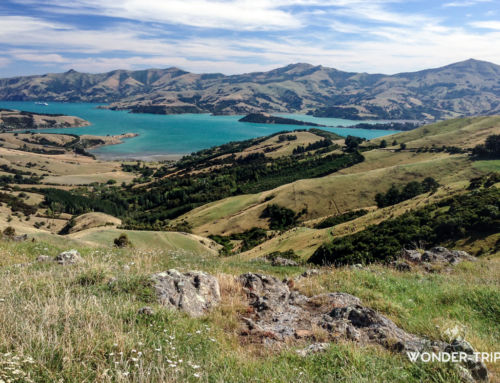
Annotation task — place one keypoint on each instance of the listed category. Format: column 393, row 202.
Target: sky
column 241, row 36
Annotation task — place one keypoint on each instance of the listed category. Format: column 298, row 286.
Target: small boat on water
column 41, row 103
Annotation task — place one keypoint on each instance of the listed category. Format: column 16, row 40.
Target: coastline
column 101, row 141
column 139, row 157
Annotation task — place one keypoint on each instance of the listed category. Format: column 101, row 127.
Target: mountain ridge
column 465, row 88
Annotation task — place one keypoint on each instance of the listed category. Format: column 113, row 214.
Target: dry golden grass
column 334, row 194
column 91, row 220
column 462, row 132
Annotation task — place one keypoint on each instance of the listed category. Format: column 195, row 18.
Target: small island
column 264, row 118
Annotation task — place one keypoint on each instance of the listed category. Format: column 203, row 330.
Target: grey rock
column 281, row 315
column 69, row 257
column 193, row 292
column 411, row 255
column 432, row 257
column 20, row 238
column 145, row 311
column 279, row 261
column 465, row 375
column 313, row 349
column 437, row 255
column 43, row 258
column 365, row 325
column 477, row 368
column 401, row 266
column 309, row 273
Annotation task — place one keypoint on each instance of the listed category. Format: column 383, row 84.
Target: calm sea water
column 173, row 134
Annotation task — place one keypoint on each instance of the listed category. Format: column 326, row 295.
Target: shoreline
column 106, row 140
column 139, row 157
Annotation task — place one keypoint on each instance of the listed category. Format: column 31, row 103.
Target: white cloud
column 358, row 35
column 235, row 14
column 495, row 25
column 465, row 3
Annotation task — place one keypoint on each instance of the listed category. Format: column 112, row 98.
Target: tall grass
column 81, row 324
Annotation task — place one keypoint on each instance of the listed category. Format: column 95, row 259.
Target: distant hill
column 264, row 118
column 16, row 120
column 466, row 88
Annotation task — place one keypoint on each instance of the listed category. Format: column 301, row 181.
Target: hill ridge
column 466, row 88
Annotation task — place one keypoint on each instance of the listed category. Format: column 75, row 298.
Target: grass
column 352, row 188
column 487, row 166
column 461, row 132
column 80, row 324
column 146, row 239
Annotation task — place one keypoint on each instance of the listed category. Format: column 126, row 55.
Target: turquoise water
column 172, row 134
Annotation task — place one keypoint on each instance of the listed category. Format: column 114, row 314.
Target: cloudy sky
column 236, row 36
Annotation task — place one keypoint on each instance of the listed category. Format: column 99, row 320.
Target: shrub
column 280, row 218
column 122, row 241
column 9, row 232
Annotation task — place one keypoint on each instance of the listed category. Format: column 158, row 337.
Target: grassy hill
column 355, row 187
column 82, row 323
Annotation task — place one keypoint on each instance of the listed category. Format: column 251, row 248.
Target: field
column 67, row 323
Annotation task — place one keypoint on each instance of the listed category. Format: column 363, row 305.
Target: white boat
column 41, row 103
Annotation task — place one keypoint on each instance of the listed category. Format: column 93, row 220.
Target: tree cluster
column 395, row 195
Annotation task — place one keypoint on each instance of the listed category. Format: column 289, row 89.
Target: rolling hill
column 462, row 89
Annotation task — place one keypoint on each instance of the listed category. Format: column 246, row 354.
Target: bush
column 410, row 190
column 280, row 218
column 122, row 241
column 9, row 232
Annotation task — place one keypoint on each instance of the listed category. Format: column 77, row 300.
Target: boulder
column 437, row 255
column 401, row 265
column 20, row 238
column 280, row 261
column 193, row 292
column 477, row 368
column 145, row 311
column 69, row 257
column 411, row 255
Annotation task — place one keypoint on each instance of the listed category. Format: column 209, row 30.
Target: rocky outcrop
column 193, row 292
column 69, row 257
column 476, row 368
column 280, row 261
column 437, row 256
column 278, row 314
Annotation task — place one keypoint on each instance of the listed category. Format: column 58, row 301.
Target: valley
column 296, row 204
